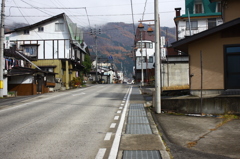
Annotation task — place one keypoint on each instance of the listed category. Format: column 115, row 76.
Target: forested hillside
column 117, row 40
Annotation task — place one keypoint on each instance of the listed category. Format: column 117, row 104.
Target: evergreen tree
column 87, row 64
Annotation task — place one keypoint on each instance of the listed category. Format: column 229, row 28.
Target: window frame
column 27, row 53
column 148, row 45
column 41, row 29
column 192, row 26
column 26, row 32
column 150, row 61
column 212, row 22
column 58, row 28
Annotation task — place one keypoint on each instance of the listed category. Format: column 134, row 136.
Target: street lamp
column 141, row 27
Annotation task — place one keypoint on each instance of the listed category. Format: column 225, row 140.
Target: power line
column 91, row 15
column 144, row 9
column 35, row 7
column 48, row 7
column 21, row 13
column 88, row 17
column 132, row 18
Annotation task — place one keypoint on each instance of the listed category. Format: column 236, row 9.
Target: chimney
column 178, row 11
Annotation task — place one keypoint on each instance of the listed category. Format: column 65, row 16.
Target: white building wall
column 146, row 52
column 202, row 25
column 175, row 74
column 52, row 44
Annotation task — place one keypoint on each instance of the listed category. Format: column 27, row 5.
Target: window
column 40, row 29
column 26, row 32
column 59, row 27
column 198, row 8
column 139, row 45
column 194, row 25
column 150, row 60
column 232, row 66
column 30, row 50
column 139, row 59
column 145, row 45
column 149, row 45
column 211, row 23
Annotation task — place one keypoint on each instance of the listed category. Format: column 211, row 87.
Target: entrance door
column 39, row 83
column 232, row 67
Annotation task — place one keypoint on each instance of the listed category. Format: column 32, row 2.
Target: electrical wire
column 133, row 19
column 103, row 15
column 36, row 8
column 88, row 17
column 49, row 7
column 144, row 9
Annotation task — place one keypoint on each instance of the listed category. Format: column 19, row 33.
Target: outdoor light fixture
column 150, row 31
column 141, row 26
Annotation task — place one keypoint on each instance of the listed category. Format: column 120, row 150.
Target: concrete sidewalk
column 190, row 137
column 140, row 137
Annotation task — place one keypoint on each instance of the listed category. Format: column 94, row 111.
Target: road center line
column 113, row 125
column 108, row 136
column 100, row 153
column 116, row 117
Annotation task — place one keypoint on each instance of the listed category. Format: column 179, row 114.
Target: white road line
column 122, row 104
column 119, row 111
column 120, row 107
column 116, row 117
column 101, row 153
column 113, row 125
column 123, row 101
column 108, row 136
column 115, row 146
column 78, row 94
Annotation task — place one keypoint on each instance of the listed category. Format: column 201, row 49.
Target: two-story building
column 199, row 15
column 215, row 53
column 54, row 45
column 144, row 59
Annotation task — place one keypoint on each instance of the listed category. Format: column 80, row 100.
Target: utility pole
column 157, row 61
column 95, row 33
column 1, row 47
column 141, row 27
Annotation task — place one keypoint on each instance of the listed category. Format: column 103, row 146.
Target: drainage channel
column 137, row 120
column 137, row 123
column 141, row 154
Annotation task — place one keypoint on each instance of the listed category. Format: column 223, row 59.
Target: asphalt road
column 69, row 124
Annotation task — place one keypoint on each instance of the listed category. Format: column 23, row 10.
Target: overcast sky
column 99, row 11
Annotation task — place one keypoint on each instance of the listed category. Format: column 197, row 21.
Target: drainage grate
column 135, row 91
column 136, row 106
column 138, row 129
column 137, row 120
column 137, row 112
column 141, row 155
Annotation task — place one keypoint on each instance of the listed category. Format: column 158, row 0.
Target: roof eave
column 37, row 24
